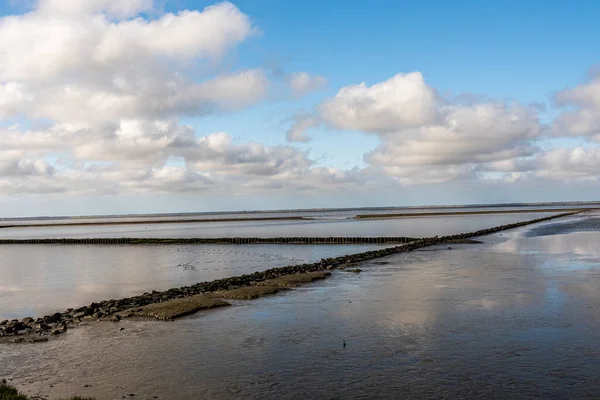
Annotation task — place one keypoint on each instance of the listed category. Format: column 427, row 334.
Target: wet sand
column 516, row 317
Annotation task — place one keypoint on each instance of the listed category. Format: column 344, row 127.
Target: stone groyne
column 59, row 322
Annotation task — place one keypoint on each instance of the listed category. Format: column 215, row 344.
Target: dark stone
column 52, row 319
column 40, row 326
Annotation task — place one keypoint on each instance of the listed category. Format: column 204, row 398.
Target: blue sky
column 515, row 50
column 507, row 56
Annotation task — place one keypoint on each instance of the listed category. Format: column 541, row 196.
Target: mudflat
column 512, row 317
column 176, row 308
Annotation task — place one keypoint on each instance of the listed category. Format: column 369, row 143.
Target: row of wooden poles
column 231, row 240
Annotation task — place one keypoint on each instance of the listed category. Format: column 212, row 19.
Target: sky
column 141, row 106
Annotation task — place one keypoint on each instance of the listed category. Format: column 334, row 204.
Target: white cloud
column 403, row 101
column 75, row 64
column 135, row 96
column 303, row 83
column 580, row 163
column 43, row 46
column 583, row 116
column 465, row 135
column 426, row 139
column 234, row 91
column 24, row 167
column 134, row 155
column 301, row 122
column 115, row 8
column 110, row 84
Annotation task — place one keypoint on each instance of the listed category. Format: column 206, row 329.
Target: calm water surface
column 517, row 317
column 315, row 214
column 411, row 227
column 39, row 279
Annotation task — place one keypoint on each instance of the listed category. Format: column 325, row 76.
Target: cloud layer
column 425, row 138
column 112, row 84
column 93, row 96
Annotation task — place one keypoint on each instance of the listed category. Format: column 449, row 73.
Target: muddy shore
column 39, row 328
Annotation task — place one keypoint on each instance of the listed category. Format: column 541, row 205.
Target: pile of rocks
column 107, row 310
column 51, row 324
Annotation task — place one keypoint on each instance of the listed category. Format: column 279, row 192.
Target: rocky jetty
column 58, row 323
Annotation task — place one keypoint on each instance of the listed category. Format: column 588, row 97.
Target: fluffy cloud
column 134, row 97
column 77, row 63
column 303, row 83
column 580, row 163
column 401, row 102
column 466, row 136
column 301, row 122
column 22, row 168
column 152, row 155
column 583, row 116
column 425, row 138
column 56, row 40
column 110, row 84
column 119, row 9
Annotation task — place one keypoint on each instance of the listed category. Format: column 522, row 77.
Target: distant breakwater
column 226, row 240
column 462, row 213
column 59, row 322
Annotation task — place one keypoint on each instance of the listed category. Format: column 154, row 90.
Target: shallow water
column 589, row 222
column 346, row 213
column 411, row 227
column 516, row 317
column 40, row 279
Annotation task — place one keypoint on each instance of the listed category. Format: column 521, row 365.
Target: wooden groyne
column 226, row 240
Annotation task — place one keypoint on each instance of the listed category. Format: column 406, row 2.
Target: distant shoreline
column 574, row 204
column 293, row 218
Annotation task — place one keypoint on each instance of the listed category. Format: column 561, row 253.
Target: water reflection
column 38, row 279
column 411, row 227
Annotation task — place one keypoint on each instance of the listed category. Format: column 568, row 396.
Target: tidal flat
column 513, row 317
